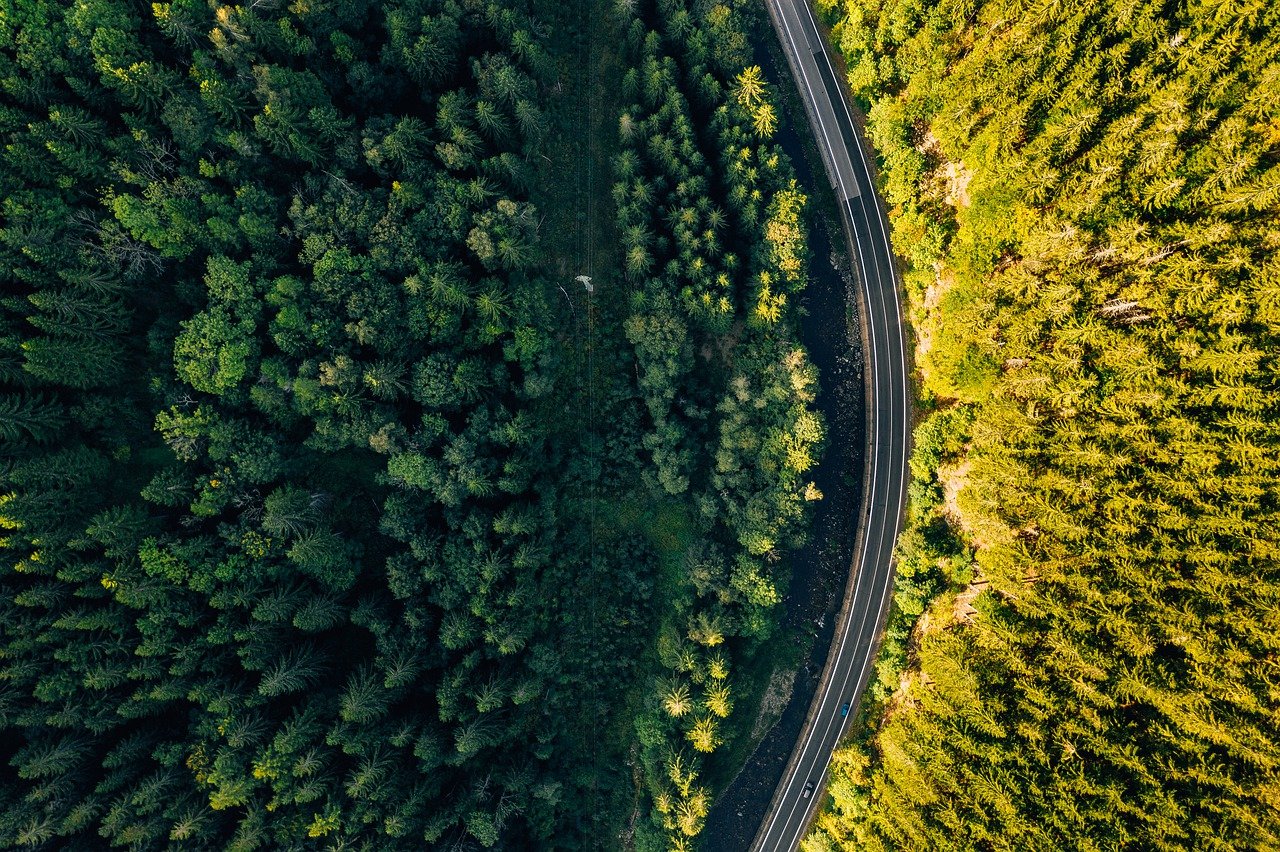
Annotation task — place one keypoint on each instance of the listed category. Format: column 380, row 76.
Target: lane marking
column 857, row 605
column 893, row 388
column 813, row 98
column 874, row 362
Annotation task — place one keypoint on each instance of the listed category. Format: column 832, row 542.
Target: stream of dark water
column 830, row 332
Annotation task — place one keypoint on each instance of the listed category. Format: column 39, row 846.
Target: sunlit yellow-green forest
column 1088, row 197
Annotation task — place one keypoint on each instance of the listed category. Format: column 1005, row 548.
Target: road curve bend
column 856, row 639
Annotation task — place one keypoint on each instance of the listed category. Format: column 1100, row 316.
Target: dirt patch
column 958, row 178
column 962, row 610
column 950, row 179
column 953, row 478
column 776, row 696
column 944, row 280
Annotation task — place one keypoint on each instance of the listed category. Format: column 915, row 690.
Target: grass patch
column 670, row 530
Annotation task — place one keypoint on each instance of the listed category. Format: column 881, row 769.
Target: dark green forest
column 1085, row 647
column 335, row 512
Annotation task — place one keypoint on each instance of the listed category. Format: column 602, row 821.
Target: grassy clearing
column 579, row 226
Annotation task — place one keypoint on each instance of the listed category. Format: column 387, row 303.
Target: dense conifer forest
column 335, row 513
column 1088, row 195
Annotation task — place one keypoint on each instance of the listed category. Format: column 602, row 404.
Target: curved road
column 857, row 636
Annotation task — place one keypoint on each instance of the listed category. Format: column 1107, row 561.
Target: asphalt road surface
column 853, row 648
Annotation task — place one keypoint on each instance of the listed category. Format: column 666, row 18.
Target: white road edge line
column 875, row 456
column 871, row 328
